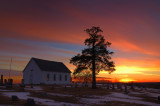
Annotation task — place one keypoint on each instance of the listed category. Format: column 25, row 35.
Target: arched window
column 47, row 77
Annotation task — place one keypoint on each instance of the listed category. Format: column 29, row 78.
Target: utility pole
column 10, row 67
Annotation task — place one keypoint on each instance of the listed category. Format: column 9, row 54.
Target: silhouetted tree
column 96, row 57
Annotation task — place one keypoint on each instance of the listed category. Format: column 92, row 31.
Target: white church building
column 40, row 71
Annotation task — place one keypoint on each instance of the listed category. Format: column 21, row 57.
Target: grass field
column 60, row 95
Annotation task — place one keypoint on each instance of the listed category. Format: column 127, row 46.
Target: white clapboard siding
column 35, row 75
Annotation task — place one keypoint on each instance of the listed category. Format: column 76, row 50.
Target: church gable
column 40, row 71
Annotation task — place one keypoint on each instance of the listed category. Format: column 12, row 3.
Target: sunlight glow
column 130, row 69
column 127, row 80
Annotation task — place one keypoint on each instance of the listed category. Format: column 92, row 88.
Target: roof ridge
column 45, row 60
column 48, row 65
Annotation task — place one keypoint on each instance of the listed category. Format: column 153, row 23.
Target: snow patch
column 25, row 96
column 116, row 97
column 121, row 95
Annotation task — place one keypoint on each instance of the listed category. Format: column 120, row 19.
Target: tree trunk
column 94, row 77
column 93, row 67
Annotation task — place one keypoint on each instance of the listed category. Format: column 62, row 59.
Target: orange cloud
column 127, row 46
column 134, row 36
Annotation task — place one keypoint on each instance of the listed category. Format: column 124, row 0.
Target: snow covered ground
column 117, row 97
column 91, row 99
column 25, row 96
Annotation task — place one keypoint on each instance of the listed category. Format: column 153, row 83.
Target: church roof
column 46, row 65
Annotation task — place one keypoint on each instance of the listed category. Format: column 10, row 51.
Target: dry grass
column 4, row 100
column 147, row 98
column 15, row 88
column 75, row 92
column 78, row 91
column 118, row 103
column 71, row 99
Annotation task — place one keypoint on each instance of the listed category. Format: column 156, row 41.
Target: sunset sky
column 54, row 30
